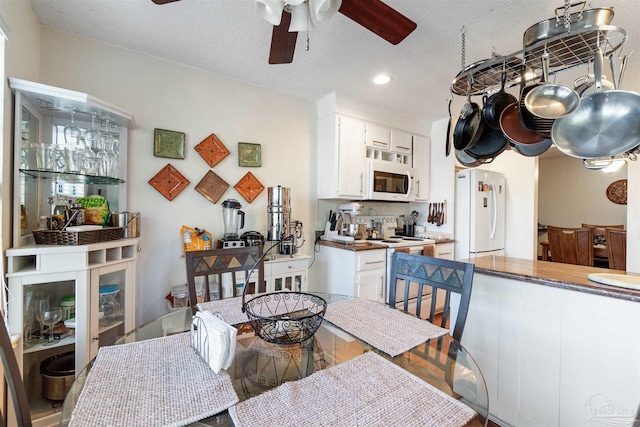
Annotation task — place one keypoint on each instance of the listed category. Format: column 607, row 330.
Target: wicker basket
column 55, row 237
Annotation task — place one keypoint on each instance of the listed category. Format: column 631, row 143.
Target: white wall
column 167, row 95
column 21, row 59
column 571, row 195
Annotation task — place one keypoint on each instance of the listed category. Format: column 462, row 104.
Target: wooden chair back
column 598, row 230
column 432, row 275
column 14, row 380
column 616, row 248
column 215, row 263
column 571, row 245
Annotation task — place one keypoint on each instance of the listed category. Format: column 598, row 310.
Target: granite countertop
column 555, row 274
column 368, row 246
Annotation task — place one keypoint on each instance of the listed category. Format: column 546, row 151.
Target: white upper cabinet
column 377, row 136
column 421, row 161
column 341, row 157
column 401, row 142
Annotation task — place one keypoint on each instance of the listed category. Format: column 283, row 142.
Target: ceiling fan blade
column 163, row 1
column 283, row 43
column 379, row 18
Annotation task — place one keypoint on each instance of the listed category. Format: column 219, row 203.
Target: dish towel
column 367, row 390
column 214, row 340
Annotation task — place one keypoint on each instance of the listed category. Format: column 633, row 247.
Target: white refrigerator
column 479, row 213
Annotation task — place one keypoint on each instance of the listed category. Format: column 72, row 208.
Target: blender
column 233, row 219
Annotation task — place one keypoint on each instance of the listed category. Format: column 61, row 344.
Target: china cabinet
column 75, row 276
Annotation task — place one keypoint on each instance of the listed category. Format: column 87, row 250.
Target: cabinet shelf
column 566, row 51
column 85, row 179
column 68, row 340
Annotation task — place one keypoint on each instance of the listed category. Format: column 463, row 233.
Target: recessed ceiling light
column 381, row 79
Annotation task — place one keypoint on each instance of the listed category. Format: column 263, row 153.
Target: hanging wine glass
column 71, row 133
column 113, row 158
column 74, row 149
column 92, row 136
column 51, row 317
column 105, row 142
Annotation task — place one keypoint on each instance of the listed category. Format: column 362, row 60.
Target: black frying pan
column 491, row 143
column 469, row 125
column 495, row 104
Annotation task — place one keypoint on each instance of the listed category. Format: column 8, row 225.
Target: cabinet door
column 377, row 136
column 444, row 250
column 294, row 281
column 370, row 285
column 401, row 142
column 421, row 167
column 351, row 158
column 111, row 313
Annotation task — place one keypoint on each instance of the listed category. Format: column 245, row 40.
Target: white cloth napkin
column 214, row 340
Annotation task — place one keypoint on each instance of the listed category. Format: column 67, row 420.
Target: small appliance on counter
column 280, row 225
column 252, row 238
column 233, row 220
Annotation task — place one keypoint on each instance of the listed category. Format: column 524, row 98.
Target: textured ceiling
column 230, row 38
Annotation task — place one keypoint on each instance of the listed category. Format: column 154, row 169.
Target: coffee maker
column 280, row 225
column 233, row 220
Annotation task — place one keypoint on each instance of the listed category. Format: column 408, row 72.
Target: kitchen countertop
column 368, row 246
column 555, row 274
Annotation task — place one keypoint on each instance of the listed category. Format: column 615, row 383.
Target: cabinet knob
column 95, row 338
column 289, row 266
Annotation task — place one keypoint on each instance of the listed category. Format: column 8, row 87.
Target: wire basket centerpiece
column 285, row 317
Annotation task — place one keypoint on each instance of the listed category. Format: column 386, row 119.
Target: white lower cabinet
column 354, row 273
column 286, row 273
column 554, row 357
column 53, row 272
column 444, row 250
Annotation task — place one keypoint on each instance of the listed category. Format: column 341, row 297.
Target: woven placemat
column 158, row 382
column 230, row 308
column 365, row 391
column 387, row 329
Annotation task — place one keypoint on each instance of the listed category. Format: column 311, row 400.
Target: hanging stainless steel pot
column 527, row 118
column 606, row 123
column 551, row 101
column 579, row 20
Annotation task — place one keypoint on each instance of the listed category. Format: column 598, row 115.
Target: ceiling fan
column 374, row 15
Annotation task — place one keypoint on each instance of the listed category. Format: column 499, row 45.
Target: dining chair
column 431, row 275
column 571, row 245
column 616, row 248
column 219, row 263
column 14, row 381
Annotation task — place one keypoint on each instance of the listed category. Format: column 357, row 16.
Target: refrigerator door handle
column 494, row 210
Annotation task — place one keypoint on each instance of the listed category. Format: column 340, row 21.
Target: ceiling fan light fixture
column 300, row 19
column 381, row 79
column 271, row 10
column 322, row 10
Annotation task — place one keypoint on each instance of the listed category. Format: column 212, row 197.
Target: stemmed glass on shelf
column 41, row 306
column 51, row 317
column 91, row 139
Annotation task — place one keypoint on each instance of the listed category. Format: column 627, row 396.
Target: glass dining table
column 441, row 362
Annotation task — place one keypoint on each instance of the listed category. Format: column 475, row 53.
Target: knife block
column 328, row 233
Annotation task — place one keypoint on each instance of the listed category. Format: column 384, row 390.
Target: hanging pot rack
column 567, row 50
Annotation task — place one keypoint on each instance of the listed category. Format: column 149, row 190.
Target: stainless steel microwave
column 390, row 181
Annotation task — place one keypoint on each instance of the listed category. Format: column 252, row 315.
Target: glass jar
column 68, row 304
column 109, row 304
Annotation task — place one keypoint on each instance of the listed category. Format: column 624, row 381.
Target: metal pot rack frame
column 566, row 50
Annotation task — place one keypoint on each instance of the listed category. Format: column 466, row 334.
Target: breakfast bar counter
column 555, row 274
column 555, row 348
